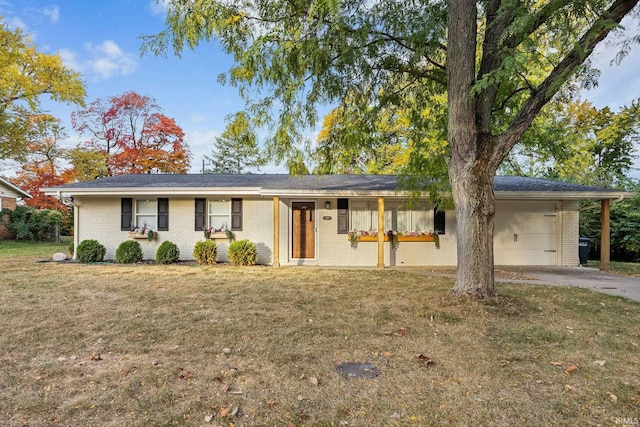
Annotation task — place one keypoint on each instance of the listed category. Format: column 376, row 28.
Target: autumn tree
column 25, row 75
column 236, row 150
column 131, row 135
column 42, row 165
column 291, row 56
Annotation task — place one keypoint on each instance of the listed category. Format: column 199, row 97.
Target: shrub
column 90, row 251
column 167, row 253
column 71, row 248
column 129, row 252
column 29, row 223
column 242, row 252
column 206, row 252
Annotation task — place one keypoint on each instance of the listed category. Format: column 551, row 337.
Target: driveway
column 581, row 277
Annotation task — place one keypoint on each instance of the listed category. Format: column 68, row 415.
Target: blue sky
column 101, row 40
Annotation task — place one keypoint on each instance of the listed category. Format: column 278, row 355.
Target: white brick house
column 305, row 220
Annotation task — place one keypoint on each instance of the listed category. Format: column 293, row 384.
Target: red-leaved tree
column 133, row 136
column 41, row 164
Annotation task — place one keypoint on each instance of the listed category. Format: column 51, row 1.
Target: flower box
column 371, row 238
column 219, row 235
column 134, row 235
column 422, row 238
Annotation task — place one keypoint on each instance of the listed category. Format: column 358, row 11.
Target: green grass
column 12, row 249
column 142, row 345
column 625, row 268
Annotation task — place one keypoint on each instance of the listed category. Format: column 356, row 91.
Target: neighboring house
column 9, row 195
column 305, row 220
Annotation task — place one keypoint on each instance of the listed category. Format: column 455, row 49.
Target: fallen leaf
column 568, row 387
column 613, row 398
column 96, row 357
column 599, row 362
column 572, row 368
column 403, row 331
column 314, row 381
column 426, row 360
column 556, row 363
column 387, row 354
column 208, row 418
column 289, row 425
column 395, row 416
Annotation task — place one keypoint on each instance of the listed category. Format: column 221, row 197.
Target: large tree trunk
column 475, row 213
column 470, row 173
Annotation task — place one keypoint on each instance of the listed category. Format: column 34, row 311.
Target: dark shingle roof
column 310, row 183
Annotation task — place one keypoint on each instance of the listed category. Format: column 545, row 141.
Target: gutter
column 598, row 205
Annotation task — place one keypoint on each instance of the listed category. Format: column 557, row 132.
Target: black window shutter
column 343, row 216
column 236, row 214
column 126, row 213
column 163, row 214
column 439, row 220
column 200, row 214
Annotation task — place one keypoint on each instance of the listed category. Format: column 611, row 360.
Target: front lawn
column 140, row 345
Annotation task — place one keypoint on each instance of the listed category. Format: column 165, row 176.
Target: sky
column 101, row 40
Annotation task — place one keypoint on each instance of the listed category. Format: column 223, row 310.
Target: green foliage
column 90, row 251
column 28, row 223
column 242, row 252
column 167, row 253
column 236, row 150
column 206, row 252
column 129, row 252
column 577, row 142
column 625, row 228
column 26, row 74
column 71, row 247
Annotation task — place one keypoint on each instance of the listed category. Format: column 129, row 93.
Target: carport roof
column 320, row 185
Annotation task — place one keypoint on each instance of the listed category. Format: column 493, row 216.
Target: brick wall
column 9, row 203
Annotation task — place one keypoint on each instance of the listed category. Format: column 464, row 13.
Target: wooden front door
column 304, row 235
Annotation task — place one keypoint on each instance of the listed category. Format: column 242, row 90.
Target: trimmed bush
column 90, row 251
column 206, row 252
column 167, row 253
column 71, row 248
column 129, row 252
column 242, row 252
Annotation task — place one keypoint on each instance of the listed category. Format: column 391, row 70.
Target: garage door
column 525, row 233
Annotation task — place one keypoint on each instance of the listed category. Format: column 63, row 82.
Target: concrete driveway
column 581, row 277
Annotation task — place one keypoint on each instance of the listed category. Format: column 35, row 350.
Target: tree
column 25, row 75
column 577, row 142
column 41, row 166
column 236, row 150
column 131, row 134
column 303, row 53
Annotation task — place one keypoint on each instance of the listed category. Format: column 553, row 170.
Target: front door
column 303, row 236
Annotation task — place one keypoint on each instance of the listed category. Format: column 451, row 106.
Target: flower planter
column 219, row 236
column 423, row 238
column 134, row 235
column 371, row 238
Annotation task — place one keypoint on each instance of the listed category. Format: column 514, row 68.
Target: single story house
column 9, row 195
column 307, row 220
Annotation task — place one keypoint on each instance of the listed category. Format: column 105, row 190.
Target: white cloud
column 15, row 22
column 158, row 7
column 52, row 12
column 103, row 61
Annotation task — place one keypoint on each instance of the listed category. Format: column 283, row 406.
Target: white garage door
column 525, row 233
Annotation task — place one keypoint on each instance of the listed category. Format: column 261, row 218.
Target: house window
column 218, row 214
column 398, row 215
column 439, row 221
column 154, row 213
column 343, row 216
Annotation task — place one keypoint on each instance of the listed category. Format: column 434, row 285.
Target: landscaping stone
column 59, row 256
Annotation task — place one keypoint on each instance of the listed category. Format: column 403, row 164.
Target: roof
column 284, row 185
column 19, row 192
